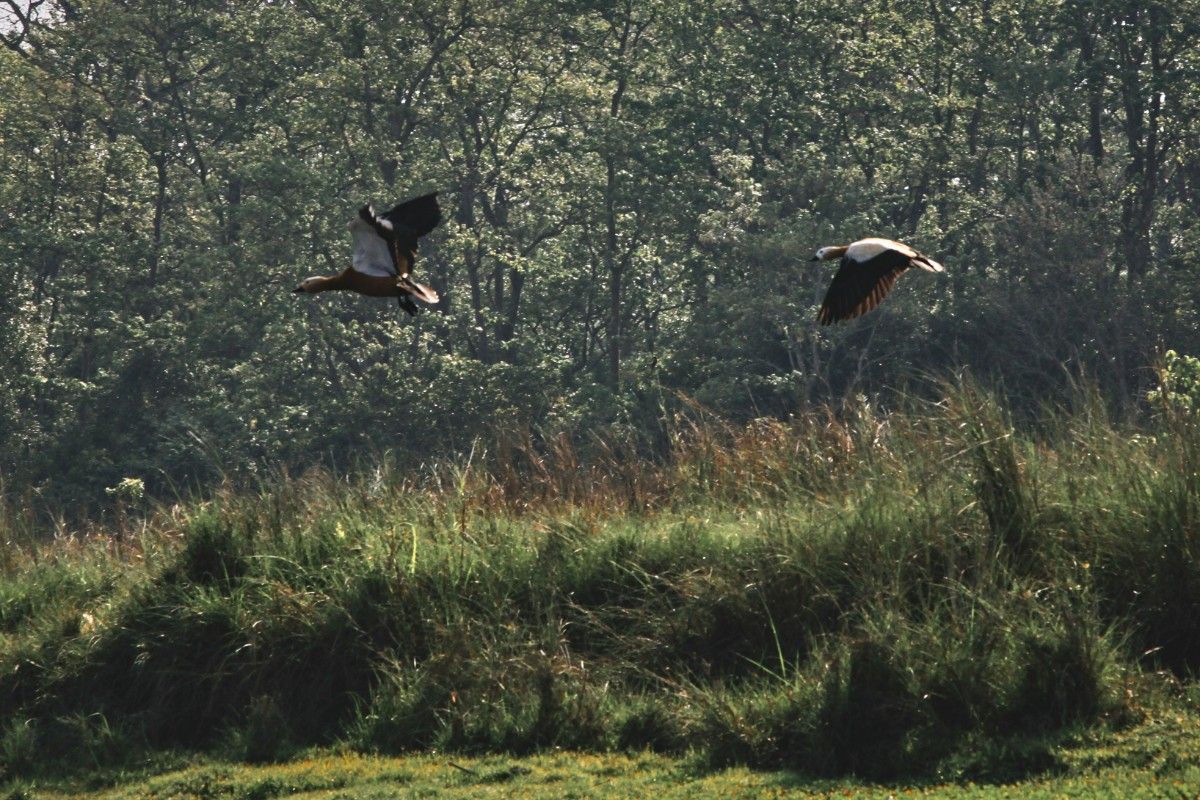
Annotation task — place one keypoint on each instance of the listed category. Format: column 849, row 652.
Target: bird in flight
column 868, row 271
column 385, row 249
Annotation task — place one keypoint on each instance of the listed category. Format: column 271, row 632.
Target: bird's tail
column 417, row 290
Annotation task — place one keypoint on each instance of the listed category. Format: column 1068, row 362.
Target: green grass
column 931, row 591
column 1157, row 759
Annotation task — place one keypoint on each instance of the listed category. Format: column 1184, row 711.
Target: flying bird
column 385, row 249
column 867, row 273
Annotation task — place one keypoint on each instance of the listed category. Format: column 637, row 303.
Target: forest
column 618, row 506
column 632, row 191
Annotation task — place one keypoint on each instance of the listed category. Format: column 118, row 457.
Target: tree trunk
column 160, row 204
column 613, row 264
column 1094, row 70
column 1142, row 101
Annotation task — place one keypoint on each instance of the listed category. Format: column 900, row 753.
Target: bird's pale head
column 828, row 253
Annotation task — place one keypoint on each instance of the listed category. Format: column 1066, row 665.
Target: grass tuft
column 861, row 592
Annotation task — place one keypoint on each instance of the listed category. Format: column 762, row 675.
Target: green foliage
column 18, row 747
column 262, row 735
column 129, row 489
column 166, row 177
column 876, row 593
column 1136, row 764
column 1179, row 382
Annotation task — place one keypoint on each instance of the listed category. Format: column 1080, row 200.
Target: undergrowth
column 853, row 592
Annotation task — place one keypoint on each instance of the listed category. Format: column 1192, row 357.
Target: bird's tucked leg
column 408, row 305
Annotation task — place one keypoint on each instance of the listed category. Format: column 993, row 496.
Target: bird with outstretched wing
column 384, row 252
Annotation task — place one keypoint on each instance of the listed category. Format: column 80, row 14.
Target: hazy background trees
column 631, row 190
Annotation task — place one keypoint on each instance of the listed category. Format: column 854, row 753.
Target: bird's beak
column 298, row 290
column 814, row 258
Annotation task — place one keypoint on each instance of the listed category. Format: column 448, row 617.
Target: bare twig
column 16, row 24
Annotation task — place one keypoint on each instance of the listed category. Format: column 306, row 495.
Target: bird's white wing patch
column 865, row 249
column 371, row 256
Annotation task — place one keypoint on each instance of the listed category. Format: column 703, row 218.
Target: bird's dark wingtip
column 419, row 215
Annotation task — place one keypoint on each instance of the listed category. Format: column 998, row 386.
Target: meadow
column 926, row 595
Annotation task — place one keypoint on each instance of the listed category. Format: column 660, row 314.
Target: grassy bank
column 1156, row 759
column 926, row 591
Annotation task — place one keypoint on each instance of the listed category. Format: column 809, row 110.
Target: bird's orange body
column 351, row 280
